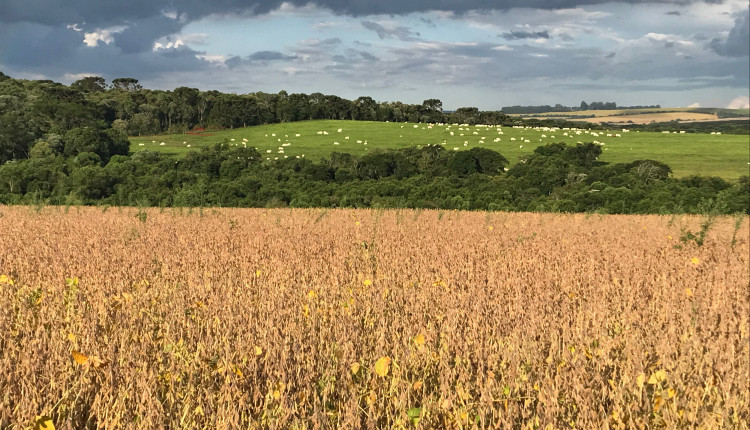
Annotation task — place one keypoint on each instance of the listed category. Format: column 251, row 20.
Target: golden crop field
column 366, row 319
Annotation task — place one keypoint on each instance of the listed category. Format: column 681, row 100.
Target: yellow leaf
column 306, row 310
column 382, row 366
column 199, row 411
column 490, row 228
column 356, row 223
column 5, row 279
column 688, row 292
column 258, row 273
column 640, row 380
column 258, row 350
column 367, row 282
column 354, row 368
column 670, row 393
column 44, row 423
column 695, row 261
column 79, row 358
column 419, row 339
column 276, row 394
column 311, row 294
column 417, row 385
column 371, row 398
column 71, row 337
column 236, row 370
column 657, row 377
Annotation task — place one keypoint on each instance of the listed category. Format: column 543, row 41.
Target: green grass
column 726, row 156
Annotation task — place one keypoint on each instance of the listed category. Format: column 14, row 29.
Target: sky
column 481, row 53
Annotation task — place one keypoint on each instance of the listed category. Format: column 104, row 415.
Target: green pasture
column 723, row 155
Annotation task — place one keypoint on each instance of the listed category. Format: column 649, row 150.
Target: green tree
column 126, row 84
column 90, row 84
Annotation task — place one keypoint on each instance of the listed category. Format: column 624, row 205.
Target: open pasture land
column 726, row 156
column 254, row 318
column 647, row 118
column 641, row 116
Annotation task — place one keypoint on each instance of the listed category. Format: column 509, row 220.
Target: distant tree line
column 560, row 108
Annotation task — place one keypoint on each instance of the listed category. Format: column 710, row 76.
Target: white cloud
column 657, row 37
column 741, row 102
column 168, row 45
column 695, row 105
column 212, row 58
column 105, row 35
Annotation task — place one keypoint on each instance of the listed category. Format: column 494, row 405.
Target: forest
column 68, row 145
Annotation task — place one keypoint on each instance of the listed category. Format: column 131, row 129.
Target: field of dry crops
column 292, row 319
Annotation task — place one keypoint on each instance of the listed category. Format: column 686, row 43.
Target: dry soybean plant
column 308, row 319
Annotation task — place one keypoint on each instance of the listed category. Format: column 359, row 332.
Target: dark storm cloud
column 105, row 60
column 397, row 32
column 145, row 21
column 48, row 44
column 104, row 13
column 737, row 44
column 520, row 34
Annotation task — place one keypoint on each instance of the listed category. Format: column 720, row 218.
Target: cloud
column 741, row 102
column 391, row 31
column 258, row 57
column 521, row 34
column 141, row 35
column 103, row 14
column 270, row 56
column 694, row 105
column 551, row 46
column 737, row 43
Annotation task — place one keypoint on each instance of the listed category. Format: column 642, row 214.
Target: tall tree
column 90, row 84
column 126, row 84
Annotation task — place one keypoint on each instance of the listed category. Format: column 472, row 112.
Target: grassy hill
column 726, row 156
